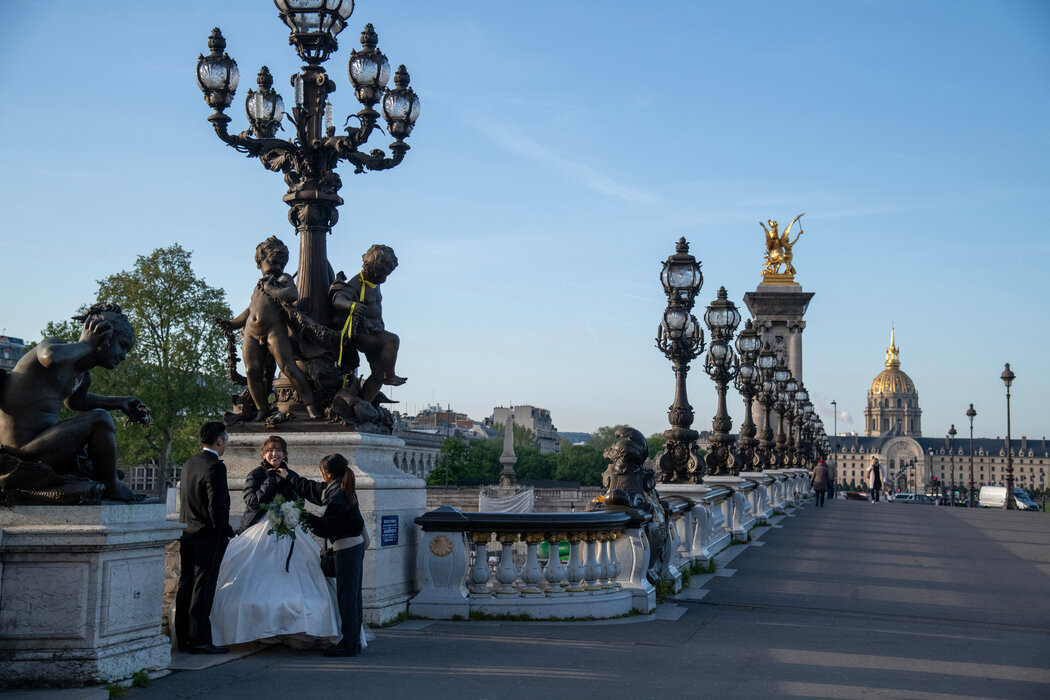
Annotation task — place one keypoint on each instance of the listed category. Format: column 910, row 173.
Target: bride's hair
column 338, row 469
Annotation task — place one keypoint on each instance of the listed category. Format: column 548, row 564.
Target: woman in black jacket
column 341, row 523
column 263, row 483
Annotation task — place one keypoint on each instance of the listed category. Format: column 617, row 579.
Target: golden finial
column 778, row 269
column 893, row 358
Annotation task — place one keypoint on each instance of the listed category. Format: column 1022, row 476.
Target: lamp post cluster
column 752, row 367
column 680, row 338
column 308, row 160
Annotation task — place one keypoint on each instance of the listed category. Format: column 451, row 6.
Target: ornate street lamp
column 767, row 396
column 790, row 406
column 801, row 399
column 970, row 413
column 721, row 363
column 951, row 457
column 1011, row 503
column 781, row 377
column 748, row 382
column 308, row 159
column 680, row 338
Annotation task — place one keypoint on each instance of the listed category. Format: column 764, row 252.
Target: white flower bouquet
column 284, row 516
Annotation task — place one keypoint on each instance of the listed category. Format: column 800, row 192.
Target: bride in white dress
column 272, row 589
column 256, row 599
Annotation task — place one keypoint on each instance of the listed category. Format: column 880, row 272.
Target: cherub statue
column 358, row 303
column 269, row 331
column 778, row 247
column 56, row 372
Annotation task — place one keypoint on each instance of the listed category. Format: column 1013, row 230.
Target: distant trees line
column 477, row 461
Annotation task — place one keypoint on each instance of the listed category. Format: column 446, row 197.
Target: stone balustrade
column 605, row 575
column 608, row 568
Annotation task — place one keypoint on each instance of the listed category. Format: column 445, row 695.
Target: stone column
column 778, row 310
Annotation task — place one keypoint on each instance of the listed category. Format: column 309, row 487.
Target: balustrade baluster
column 615, row 567
column 601, row 571
column 554, row 572
column 590, row 564
column 506, row 574
column 530, row 572
column 480, row 572
column 574, row 571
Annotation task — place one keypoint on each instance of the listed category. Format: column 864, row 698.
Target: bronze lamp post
column 951, row 458
column 308, row 159
column 721, row 364
column 680, row 338
column 970, row 413
column 1011, row 503
column 767, row 396
column 748, row 382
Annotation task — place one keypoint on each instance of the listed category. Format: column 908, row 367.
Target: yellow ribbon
column 348, row 327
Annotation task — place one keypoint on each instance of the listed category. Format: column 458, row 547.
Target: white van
column 995, row 497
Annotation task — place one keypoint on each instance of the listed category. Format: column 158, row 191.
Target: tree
column 524, row 438
column 177, row 367
column 656, row 443
column 451, row 462
column 580, row 463
column 603, row 438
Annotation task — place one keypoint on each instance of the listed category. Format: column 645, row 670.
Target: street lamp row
column 755, row 371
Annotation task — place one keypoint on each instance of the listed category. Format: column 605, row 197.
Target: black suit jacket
column 205, row 496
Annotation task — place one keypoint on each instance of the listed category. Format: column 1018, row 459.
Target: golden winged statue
column 778, row 251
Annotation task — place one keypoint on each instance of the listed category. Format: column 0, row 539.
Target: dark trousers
column 349, row 565
column 200, row 557
column 820, row 497
column 875, row 495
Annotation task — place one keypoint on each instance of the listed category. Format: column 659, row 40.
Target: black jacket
column 205, row 496
column 340, row 518
column 261, row 487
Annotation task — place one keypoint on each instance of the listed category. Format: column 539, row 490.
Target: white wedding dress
column 256, row 599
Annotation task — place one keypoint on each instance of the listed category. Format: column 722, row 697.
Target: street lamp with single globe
column 680, row 338
column 721, row 363
column 970, row 413
column 951, row 457
column 1011, row 503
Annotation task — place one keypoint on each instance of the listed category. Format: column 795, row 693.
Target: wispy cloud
column 584, row 175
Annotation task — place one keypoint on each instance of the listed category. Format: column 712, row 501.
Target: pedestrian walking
column 820, row 481
column 876, row 477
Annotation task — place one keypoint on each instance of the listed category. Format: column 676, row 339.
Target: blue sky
column 562, row 150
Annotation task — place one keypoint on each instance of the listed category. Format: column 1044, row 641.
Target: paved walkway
column 850, row 601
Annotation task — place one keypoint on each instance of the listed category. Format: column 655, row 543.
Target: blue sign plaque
column 388, row 530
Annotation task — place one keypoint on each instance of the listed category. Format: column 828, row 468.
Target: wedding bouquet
column 284, row 516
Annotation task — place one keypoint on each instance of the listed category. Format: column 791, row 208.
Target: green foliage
column 476, row 461
column 656, row 444
column 116, row 690
column 581, row 463
column 141, row 679
column 524, row 438
column 603, row 438
column 177, row 367
column 532, row 466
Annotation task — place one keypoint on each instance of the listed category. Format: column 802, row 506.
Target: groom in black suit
column 205, row 507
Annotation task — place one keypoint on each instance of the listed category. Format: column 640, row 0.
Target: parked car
column 995, row 497
column 904, row 498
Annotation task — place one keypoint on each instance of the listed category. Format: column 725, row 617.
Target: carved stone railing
column 761, row 498
column 605, row 575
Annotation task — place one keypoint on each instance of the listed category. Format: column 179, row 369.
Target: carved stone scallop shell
column 441, row 546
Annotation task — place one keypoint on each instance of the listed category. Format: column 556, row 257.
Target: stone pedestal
column 778, row 310
column 81, row 592
column 390, row 501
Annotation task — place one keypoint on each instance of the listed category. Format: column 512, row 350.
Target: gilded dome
column 892, row 381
